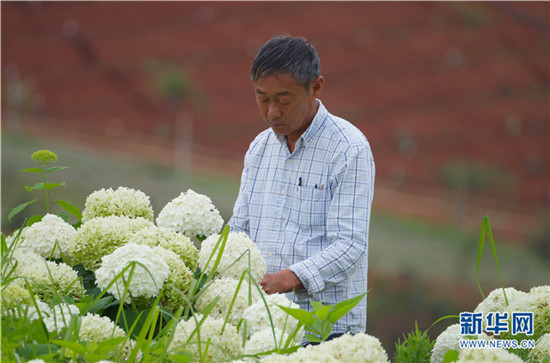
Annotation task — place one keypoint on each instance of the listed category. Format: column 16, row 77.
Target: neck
column 291, row 139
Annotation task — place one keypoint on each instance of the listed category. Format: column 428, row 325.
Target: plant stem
column 46, row 191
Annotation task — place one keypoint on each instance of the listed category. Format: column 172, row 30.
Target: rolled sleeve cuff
column 309, row 275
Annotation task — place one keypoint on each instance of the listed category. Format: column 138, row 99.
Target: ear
column 317, row 86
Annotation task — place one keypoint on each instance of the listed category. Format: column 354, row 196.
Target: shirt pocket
column 310, row 206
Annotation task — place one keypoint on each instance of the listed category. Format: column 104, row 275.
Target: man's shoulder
column 343, row 132
column 263, row 138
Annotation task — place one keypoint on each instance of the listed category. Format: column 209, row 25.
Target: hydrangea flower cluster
column 100, row 236
column 449, row 340
column 120, row 202
column 14, row 295
column 149, row 273
column 226, row 288
column 95, row 328
column 235, row 257
column 40, row 310
column 223, row 344
column 44, row 156
column 360, row 347
column 541, row 350
column 263, row 341
column 45, row 277
column 56, row 318
column 51, row 237
column 60, row 317
column 191, row 214
column 178, row 280
column 169, row 239
column 536, row 301
column 487, row 355
column 258, row 318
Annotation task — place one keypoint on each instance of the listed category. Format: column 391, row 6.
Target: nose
column 273, row 111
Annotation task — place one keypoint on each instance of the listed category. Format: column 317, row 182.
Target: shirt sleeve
column 239, row 222
column 347, row 224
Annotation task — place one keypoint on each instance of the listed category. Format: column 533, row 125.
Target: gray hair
column 286, row 54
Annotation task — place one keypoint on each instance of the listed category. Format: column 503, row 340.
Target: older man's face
column 285, row 105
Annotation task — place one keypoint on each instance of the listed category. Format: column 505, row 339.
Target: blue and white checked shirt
column 309, row 211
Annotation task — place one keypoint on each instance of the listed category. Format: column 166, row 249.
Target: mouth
column 276, row 123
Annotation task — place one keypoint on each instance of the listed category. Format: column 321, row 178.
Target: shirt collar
column 311, row 130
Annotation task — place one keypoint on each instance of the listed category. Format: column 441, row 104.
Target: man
column 307, row 186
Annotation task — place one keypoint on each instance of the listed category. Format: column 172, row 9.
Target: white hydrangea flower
column 36, row 361
column 43, row 310
column 60, row 317
column 169, row 239
column 14, row 295
column 487, row 355
column 495, row 301
column 49, row 236
column 540, row 295
column 120, row 202
column 263, row 341
column 221, row 342
column 541, row 350
column 235, row 256
column 179, row 278
column 146, row 283
column 539, row 304
column 191, row 214
column 100, row 236
column 95, row 328
column 17, row 236
column 226, row 288
column 360, row 347
column 258, row 318
column 46, row 276
column 449, row 340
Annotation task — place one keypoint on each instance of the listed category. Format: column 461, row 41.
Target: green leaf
column 37, row 186
column 343, row 307
column 36, row 350
column 19, row 209
column 486, row 228
column 312, row 338
column 70, row 208
column 64, row 216
column 304, row 316
column 32, row 220
column 54, row 168
column 326, row 333
column 316, row 305
column 317, row 327
column 74, row 346
column 33, row 170
column 51, row 186
column 450, row 356
column 323, row 312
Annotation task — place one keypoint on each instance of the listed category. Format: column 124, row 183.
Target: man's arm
column 281, row 281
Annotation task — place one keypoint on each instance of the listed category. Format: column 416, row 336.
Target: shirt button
column 276, row 224
column 283, row 192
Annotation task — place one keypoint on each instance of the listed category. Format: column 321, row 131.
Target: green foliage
column 450, row 356
column 486, row 228
column 416, row 347
column 318, row 322
column 45, row 157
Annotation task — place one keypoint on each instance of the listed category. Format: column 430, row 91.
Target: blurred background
column 453, row 97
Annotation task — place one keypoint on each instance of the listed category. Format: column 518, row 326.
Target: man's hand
column 281, row 281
